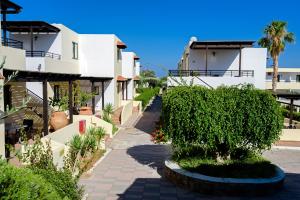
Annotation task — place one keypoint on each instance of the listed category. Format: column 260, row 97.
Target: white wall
column 223, row 59
column 97, row 55
column 251, row 59
column 256, row 59
column 137, row 68
column 128, row 64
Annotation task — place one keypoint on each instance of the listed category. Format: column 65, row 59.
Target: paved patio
column 133, row 169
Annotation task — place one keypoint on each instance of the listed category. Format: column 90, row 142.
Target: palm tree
column 275, row 39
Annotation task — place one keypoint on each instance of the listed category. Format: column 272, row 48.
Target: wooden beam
column 102, row 91
column 93, row 98
column 126, row 90
column 45, row 108
column 31, row 41
column 70, row 101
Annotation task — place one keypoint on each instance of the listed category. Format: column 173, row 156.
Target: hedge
column 22, row 183
column 221, row 120
column 146, row 95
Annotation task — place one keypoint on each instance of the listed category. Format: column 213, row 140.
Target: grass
column 253, row 166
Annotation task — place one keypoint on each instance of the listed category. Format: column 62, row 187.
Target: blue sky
column 158, row 30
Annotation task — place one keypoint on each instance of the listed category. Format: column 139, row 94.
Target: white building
column 129, row 65
column 288, row 78
column 216, row 63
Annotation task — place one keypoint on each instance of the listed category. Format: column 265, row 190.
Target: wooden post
column 71, row 101
column 126, row 90
column 291, row 112
column 93, row 98
column 102, row 91
column 240, row 62
column 206, row 60
column 45, row 108
column 31, row 41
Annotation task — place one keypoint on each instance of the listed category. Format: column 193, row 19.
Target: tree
column 148, row 73
column 275, row 39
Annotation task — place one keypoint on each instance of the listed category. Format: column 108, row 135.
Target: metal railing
column 212, row 73
column 43, row 54
column 12, row 43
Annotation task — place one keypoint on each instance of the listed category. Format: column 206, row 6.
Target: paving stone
column 133, row 169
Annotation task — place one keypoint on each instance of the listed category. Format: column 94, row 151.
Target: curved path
column 133, row 169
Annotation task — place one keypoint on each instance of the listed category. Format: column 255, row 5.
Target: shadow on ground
column 150, row 155
column 159, row 188
column 152, row 113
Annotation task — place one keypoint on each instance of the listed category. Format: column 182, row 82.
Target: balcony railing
column 212, row 73
column 43, row 54
column 12, row 43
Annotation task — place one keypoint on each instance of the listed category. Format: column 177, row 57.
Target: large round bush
column 221, row 120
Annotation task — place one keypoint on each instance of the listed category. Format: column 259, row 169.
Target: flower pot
column 86, row 111
column 58, row 120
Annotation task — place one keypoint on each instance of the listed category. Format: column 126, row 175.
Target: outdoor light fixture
column 214, row 53
column 35, row 38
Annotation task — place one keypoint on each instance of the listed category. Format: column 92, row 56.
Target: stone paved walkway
column 133, row 169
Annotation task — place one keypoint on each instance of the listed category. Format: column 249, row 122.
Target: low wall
column 290, row 135
column 223, row 186
column 139, row 105
column 95, row 121
column 65, row 134
column 126, row 111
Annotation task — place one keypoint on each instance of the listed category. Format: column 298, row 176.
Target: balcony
column 43, row 54
column 12, row 43
column 212, row 73
column 213, row 78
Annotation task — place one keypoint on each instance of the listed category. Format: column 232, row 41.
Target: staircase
column 34, row 110
column 116, row 116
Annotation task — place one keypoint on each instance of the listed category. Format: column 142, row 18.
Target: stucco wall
column 126, row 111
column 14, row 58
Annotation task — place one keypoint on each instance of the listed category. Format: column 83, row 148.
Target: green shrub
column 22, row 183
column 146, row 95
column 221, row 120
column 63, row 182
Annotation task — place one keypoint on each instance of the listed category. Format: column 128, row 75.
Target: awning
column 8, row 7
column 35, row 76
column 121, row 79
column 136, row 57
column 221, row 44
column 28, row 26
column 136, row 78
column 121, row 45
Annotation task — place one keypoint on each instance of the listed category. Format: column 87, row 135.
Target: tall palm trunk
column 275, row 73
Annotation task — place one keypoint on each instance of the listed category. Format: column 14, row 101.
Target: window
column 278, row 78
column 119, row 54
column 297, row 78
column 75, row 50
column 56, row 92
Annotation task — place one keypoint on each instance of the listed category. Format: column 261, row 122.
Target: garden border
column 223, row 186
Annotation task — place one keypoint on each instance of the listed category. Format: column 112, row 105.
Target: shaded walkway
column 133, row 169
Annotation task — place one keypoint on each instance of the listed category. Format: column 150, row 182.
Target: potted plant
column 59, row 118
column 84, row 97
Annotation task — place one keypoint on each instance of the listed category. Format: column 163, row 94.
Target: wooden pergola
column 215, row 45
column 94, row 80
column 290, row 95
column 45, row 77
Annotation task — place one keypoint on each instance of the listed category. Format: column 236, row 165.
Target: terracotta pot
column 85, row 111
column 58, row 120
